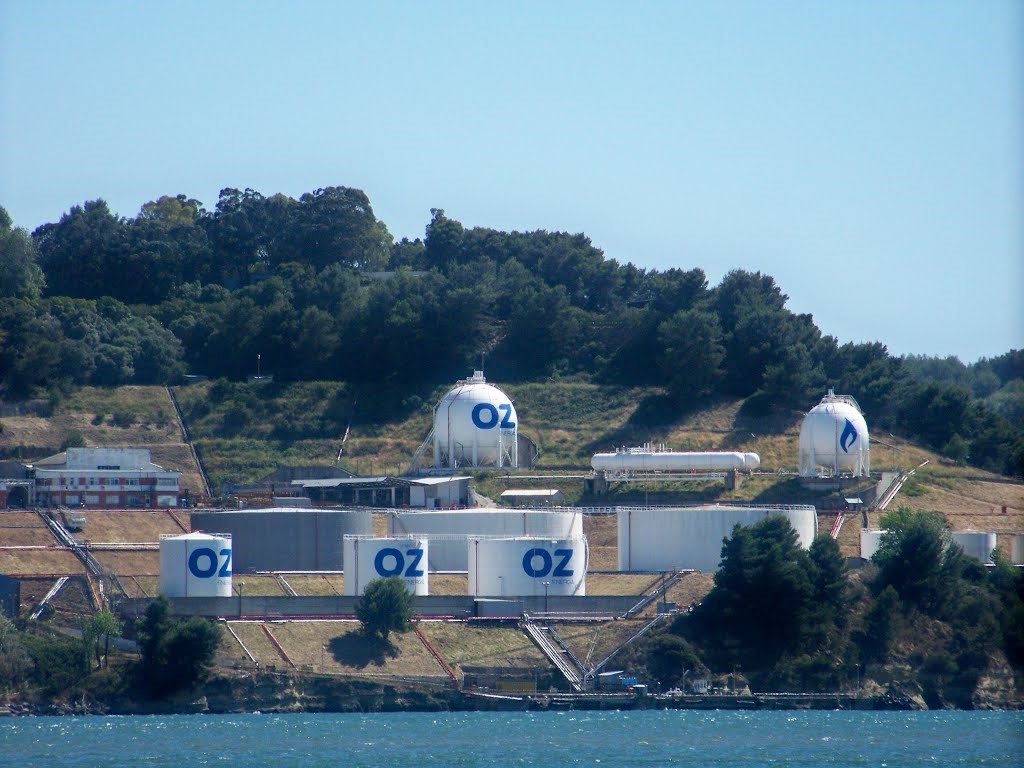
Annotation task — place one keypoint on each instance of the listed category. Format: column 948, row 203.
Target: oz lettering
column 397, row 565
column 556, row 566
column 203, row 563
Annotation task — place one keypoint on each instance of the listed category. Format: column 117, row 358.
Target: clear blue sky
column 868, row 155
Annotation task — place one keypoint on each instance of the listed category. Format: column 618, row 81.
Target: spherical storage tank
column 475, row 425
column 527, row 566
column 834, row 437
column 195, row 565
column 661, row 539
column 367, row 559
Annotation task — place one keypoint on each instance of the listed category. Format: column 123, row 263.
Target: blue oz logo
column 492, row 418
column 547, row 564
column 397, row 566
column 212, row 561
column 848, row 438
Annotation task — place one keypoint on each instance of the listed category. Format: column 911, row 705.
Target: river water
column 549, row 739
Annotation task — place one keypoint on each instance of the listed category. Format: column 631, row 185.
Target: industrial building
column 104, row 478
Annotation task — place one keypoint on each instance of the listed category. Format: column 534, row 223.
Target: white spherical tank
column 834, row 437
column 475, row 425
column 527, row 566
column 195, row 565
column 367, row 559
column 660, row 539
column 647, row 459
column 448, row 530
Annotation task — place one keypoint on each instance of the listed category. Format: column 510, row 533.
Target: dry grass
column 449, row 584
column 466, row 645
column 17, row 563
column 127, row 526
column 24, row 529
column 132, row 563
column 315, row 584
column 620, row 584
column 591, row 643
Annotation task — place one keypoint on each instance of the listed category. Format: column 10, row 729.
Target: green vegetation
column 922, row 615
column 175, row 654
column 385, row 607
column 294, row 288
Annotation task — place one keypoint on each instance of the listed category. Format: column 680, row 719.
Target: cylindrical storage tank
column 281, row 539
column 661, row 539
column 475, row 425
column 367, row 559
column 869, row 542
column 448, row 530
column 977, row 544
column 1017, row 549
column 834, row 438
column 527, row 566
column 648, row 460
column 195, row 565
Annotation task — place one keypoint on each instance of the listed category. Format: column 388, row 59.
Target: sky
column 868, row 154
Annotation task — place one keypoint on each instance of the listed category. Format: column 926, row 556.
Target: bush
column 385, row 607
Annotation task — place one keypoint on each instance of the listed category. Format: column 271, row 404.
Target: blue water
column 605, row 739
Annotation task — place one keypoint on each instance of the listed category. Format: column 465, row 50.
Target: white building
column 104, row 478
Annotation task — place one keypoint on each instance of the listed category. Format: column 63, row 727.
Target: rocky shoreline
column 282, row 693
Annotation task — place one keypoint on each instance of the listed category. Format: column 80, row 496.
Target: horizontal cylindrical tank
column 527, row 566
column 649, row 460
column 195, row 565
column 448, row 530
column 660, row 539
column 834, row 437
column 475, row 425
column 367, row 559
column 280, row 539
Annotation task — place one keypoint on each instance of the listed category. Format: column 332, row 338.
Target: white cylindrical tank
column 869, row 542
column 367, row 559
column 475, row 425
column 977, row 544
column 648, row 459
column 661, row 539
column 527, row 566
column 1017, row 549
column 448, row 529
column 195, row 565
column 834, row 438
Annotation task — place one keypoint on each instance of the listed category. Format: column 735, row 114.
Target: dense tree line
column 920, row 606
column 317, row 288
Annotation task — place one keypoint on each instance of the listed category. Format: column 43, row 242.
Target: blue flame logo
column 848, row 438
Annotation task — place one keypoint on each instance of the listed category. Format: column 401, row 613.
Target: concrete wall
column 431, row 605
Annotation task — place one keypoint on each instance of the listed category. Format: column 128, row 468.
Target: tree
column 22, row 277
column 762, row 582
column 175, row 654
column 15, row 662
column 691, row 362
column 385, row 607
column 101, row 626
column 917, row 558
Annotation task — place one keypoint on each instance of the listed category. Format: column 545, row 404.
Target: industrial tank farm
column 834, row 438
column 475, row 425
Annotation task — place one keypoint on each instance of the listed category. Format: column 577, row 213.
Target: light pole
column 546, row 585
column 501, row 586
